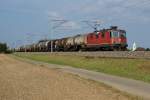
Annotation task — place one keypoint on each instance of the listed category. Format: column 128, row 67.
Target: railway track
column 108, row 54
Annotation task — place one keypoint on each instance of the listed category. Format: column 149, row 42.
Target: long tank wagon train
column 112, row 39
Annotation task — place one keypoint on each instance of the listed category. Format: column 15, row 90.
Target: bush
column 9, row 52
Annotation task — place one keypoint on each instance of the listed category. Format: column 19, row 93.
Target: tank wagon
column 106, row 39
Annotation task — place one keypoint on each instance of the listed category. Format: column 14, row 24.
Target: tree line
column 4, row 48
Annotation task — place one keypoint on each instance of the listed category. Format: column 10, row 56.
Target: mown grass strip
column 138, row 69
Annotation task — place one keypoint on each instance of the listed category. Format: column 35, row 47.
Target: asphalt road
column 127, row 85
column 133, row 87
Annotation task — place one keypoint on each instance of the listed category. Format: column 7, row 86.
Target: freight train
column 113, row 39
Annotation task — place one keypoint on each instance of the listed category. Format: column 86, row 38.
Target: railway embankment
column 112, row 54
column 104, row 54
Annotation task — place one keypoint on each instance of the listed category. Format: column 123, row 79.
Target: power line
column 95, row 24
column 59, row 22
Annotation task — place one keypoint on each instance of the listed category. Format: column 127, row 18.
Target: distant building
column 140, row 49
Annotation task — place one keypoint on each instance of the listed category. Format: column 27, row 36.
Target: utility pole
column 55, row 26
column 51, row 32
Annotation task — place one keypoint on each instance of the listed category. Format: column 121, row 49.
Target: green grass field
column 138, row 69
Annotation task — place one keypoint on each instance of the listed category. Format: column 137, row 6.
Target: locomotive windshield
column 117, row 34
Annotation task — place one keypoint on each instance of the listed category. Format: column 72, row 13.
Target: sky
column 27, row 21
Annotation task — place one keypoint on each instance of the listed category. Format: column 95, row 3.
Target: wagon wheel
column 117, row 49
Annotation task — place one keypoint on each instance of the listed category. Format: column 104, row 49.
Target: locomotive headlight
column 119, row 40
column 112, row 41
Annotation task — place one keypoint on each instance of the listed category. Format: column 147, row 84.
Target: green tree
column 148, row 49
column 3, row 47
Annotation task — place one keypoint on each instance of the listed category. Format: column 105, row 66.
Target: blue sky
column 23, row 21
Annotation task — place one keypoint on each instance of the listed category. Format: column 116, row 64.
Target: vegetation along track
column 109, row 54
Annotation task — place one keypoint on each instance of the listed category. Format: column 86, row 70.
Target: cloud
column 132, row 10
column 71, row 25
column 53, row 15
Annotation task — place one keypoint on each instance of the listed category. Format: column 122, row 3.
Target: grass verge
column 138, row 69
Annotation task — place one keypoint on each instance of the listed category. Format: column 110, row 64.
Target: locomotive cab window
column 122, row 35
column 103, row 34
column 110, row 34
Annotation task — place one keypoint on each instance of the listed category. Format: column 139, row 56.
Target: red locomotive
column 106, row 39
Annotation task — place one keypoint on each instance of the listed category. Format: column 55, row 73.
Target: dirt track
column 24, row 81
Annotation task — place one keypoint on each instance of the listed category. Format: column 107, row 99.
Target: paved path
column 134, row 87
column 128, row 85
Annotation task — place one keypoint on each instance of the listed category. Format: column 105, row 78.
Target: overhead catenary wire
column 53, row 27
